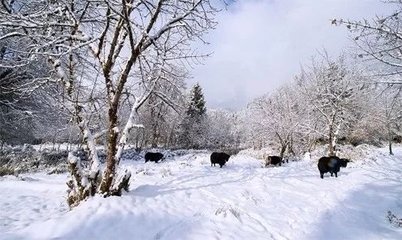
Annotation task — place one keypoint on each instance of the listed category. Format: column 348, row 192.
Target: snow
column 185, row 198
column 116, row 130
column 72, row 159
column 28, row 199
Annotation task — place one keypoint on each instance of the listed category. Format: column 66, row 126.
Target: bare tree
column 386, row 114
column 222, row 130
column 277, row 116
column 331, row 90
column 131, row 46
column 158, row 115
column 380, row 40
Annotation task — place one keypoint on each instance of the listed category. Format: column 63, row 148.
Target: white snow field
column 186, row 198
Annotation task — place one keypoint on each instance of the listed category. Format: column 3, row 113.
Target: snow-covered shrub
column 30, row 160
column 53, row 158
column 143, row 171
column 4, row 160
column 57, row 170
column 179, row 152
column 19, row 160
column 82, row 183
column 17, row 148
column 132, row 154
column 394, row 220
column 6, row 171
column 27, row 148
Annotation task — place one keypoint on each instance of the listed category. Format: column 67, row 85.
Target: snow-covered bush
column 26, row 159
column 394, row 220
column 143, row 171
column 6, row 171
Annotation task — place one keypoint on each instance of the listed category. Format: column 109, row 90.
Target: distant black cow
column 153, row 157
column 274, row 160
column 331, row 164
column 219, row 158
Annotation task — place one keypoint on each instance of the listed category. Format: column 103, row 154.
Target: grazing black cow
column 219, row 158
column 331, row 164
column 153, row 157
column 274, row 160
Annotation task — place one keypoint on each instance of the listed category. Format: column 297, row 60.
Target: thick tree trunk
column 331, row 148
column 154, row 141
column 110, row 170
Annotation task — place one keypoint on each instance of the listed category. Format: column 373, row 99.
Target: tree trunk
column 390, row 147
column 283, row 149
column 110, row 170
column 331, row 148
column 284, row 144
column 154, row 141
column 331, row 142
column 390, row 141
column 290, row 147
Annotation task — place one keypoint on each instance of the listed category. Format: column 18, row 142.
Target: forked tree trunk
column 283, row 150
column 283, row 143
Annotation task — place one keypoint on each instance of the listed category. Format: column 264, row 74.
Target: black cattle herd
column 331, row 164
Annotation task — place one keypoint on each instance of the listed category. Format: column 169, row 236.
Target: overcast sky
column 260, row 44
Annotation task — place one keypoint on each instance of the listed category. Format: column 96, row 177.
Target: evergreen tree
column 192, row 129
column 196, row 108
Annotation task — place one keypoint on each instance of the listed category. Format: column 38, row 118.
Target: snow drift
column 184, row 198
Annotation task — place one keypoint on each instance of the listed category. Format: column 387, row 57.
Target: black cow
column 331, row 164
column 274, row 160
column 153, row 157
column 219, row 158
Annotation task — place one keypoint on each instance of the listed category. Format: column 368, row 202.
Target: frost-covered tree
column 159, row 116
column 24, row 96
column 193, row 129
column 196, row 107
column 391, row 107
column 379, row 45
column 223, row 130
column 380, row 40
column 101, row 52
column 331, row 90
column 385, row 114
column 276, row 117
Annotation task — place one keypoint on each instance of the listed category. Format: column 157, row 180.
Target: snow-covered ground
column 186, row 198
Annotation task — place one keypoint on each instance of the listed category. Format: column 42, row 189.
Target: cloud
column 260, row 44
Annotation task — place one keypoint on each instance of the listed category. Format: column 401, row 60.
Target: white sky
column 260, row 44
